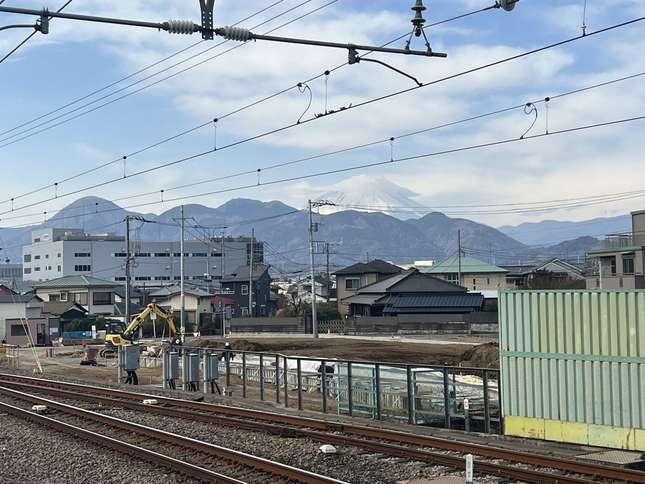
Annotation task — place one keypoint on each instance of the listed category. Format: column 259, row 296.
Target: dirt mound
column 237, row 344
column 482, row 356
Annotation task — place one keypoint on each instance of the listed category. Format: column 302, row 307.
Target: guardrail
column 439, row 396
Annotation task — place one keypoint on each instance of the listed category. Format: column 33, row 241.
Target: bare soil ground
column 485, row 355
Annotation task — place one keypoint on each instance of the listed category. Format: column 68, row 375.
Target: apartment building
column 55, row 253
column 621, row 262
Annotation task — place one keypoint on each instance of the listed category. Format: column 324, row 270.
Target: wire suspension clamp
column 206, row 7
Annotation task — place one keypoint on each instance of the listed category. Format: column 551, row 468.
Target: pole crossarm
column 230, row 33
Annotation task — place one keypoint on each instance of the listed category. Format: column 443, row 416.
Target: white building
column 55, row 253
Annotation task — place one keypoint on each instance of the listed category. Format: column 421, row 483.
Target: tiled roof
column 74, row 281
column 432, row 302
column 17, row 298
column 376, row 266
column 241, row 274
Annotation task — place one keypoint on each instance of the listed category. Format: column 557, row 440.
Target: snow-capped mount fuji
column 364, row 193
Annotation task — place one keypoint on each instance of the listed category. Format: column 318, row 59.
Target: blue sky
column 77, row 58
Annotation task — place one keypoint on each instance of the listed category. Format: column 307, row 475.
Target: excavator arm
column 130, row 331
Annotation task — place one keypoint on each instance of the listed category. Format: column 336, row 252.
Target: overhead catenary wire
column 137, row 72
column 237, row 110
column 313, row 157
column 28, row 38
column 461, row 149
column 29, row 132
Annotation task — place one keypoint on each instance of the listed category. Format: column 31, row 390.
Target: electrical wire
column 233, row 112
column 313, row 157
column 23, row 42
column 433, row 154
column 130, row 76
column 17, row 137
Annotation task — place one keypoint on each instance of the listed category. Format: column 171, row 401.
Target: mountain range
column 354, row 235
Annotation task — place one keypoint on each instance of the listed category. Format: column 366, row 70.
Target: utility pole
column 251, row 257
column 314, row 319
column 182, row 313
column 459, row 254
column 127, row 271
column 599, row 273
column 221, row 269
column 328, row 280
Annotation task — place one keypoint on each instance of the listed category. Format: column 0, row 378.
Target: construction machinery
column 117, row 336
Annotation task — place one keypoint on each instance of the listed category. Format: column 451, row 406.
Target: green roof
column 469, row 265
column 74, row 281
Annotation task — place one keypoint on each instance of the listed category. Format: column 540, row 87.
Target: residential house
column 476, row 275
column 301, row 289
column 555, row 273
column 352, row 278
column 236, row 287
column 621, row 263
column 22, row 321
column 94, row 294
column 196, row 301
column 412, row 292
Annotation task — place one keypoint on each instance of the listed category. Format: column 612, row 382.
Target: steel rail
column 185, row 468
column 481, row 467
column 569, row 466
column 238, row 457
column 566, row 465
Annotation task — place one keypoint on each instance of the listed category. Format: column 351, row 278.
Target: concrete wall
column 447, row 323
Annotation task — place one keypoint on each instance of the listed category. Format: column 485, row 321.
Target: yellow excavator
column 117, row 336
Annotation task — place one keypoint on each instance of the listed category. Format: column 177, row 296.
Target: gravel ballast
column 30, row 453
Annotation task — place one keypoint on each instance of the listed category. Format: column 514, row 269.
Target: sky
column 78, row 58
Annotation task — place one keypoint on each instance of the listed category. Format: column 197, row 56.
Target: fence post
column 350, row 396
column 446, row 396
column 299, row 376
column 277, row 379
column 286, row 381
column 486, row 403
column 377, row 389
column 243, row 375
column 261, row 377
column 466, row 415
column 323, row 384
column 411, row 412
column 227, row 358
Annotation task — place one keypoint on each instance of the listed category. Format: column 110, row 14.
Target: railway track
column 109, row 432
column 400, row 444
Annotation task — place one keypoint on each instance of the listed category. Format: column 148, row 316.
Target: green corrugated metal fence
column 576, row 356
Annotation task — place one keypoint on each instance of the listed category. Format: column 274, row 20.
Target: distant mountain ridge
column 549, row 232
column 355, row 235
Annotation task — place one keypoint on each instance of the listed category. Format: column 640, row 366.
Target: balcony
column 618, row 241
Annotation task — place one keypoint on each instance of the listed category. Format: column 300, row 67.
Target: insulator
column 237, row 33
column 180, row 27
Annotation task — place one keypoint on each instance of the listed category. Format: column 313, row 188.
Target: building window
column 143, row 278
column 162, row 278
column 628, row 264
column 80, row 298
column 27, row 270
column 58, row 268
column 36, row 257
column 488, row 281
column 59, row 255
column 216, row 254
column 162, row 254
column 352, row 283
column 120, row 254
column 177, row 278
column 26, row 258
column 245, row 290
column 102, row 298
column 36, row 269
column 612, row 263
column 46, row 256
column 452, row 277
column 18, row 330
column 82, row 254
column 54, row 298
column 36, row 240
column 142, row 254
column 82, row 268
column 199, row 254
column 119, row 278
